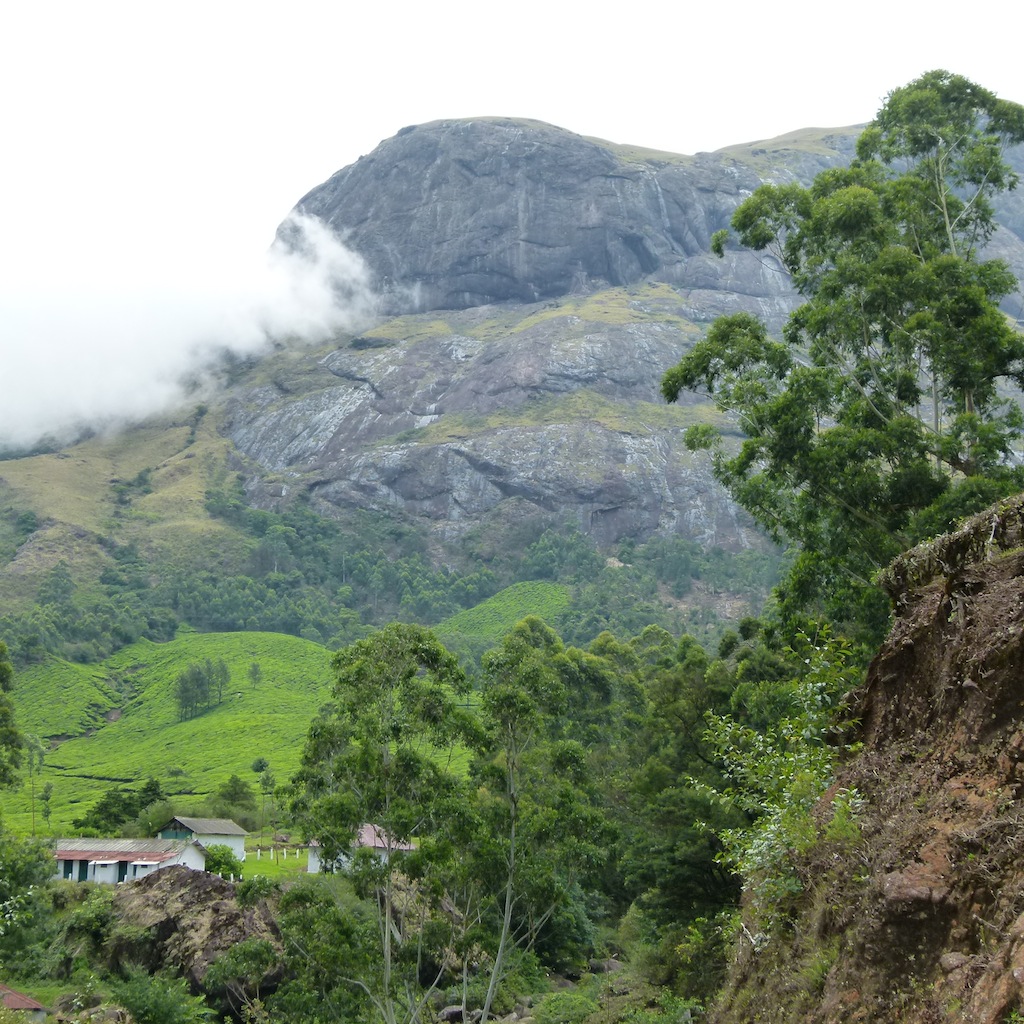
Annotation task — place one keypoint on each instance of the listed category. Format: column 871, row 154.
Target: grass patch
column 84, row 498
column 476, row 630
column 639, row 418
column 613, row 306
column 278, row 862
column 410, row 328
column 192, row 758
column 763, row 153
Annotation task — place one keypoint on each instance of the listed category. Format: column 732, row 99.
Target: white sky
column 149, row 151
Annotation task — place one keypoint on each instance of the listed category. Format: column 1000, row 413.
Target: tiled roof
column 376, row 838
column 209, row 826
column 16, row 1001
column 154, row 850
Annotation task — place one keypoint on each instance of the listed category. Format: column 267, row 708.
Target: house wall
column 86, row 870
column 103, row 871
column 174, row 833
column 192, row 857
column 237, row 843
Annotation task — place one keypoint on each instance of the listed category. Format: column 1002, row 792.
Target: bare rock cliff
column 922, row 921
column 549, row 411
column 535, row 285
column 461, row 213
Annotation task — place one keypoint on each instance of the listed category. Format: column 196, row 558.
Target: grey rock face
column 555, row 414
column 577, row 271
column 455, row 214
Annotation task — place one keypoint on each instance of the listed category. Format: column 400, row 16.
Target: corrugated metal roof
column 17, row 1001
column 209, row 826
column 119, row 849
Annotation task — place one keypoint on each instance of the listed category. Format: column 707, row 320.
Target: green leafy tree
column 10, row 739
column 237, row 792
column 267, row 784
column 34, row 764
column 381, row 754
column 776, row 775
column 221, row 860
column 44, row 799
column 219, row 675
column 241, row 973
column 159, row 999
column 25, row 865
column 883, row 400
column 118, row 806
column 538, row 809
column 668, row 861
column 328, row 949
column 192, row 691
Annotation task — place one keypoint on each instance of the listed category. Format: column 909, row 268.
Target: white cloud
column 94, row 354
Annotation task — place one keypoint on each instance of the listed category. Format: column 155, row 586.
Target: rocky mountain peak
column 460, row 213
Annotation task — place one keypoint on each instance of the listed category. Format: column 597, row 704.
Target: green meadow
column 475, row 630
column 116, row 722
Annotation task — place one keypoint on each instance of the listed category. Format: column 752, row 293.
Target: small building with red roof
column 369, row 837
column 121, row 860
column 24, row 1005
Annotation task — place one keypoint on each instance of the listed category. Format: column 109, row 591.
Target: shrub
column 252, row 890
column 158, row 999
column 570, row 1006
column 221, row 860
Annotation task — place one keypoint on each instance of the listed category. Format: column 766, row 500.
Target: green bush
column 158, row 999
column 221, row 860
column 252, row 890
column 94, row 918
column 570, row 1006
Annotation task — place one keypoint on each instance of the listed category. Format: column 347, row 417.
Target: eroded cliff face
column 922, row 920
column 462, row 213
column 566, row 275
column 550, row 410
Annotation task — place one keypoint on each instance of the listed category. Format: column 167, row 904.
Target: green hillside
column 473, row 631
column 125, row 718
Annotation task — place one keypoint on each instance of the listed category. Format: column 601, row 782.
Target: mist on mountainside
column 100, row 356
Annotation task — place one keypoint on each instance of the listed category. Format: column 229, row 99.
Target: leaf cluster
column 884, row 396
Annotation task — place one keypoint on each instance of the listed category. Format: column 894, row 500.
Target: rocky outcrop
column 552, row 409
column 461, row 213
column 922, row 919
column 185, row 920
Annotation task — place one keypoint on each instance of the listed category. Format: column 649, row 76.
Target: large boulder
column 185, row 920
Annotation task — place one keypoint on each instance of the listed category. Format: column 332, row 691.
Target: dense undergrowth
column 622, row 724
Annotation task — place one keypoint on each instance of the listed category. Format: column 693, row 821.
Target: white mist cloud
column 100, row 347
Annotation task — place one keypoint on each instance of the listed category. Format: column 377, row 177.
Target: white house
column 207, row 832
column 369, row 837
column 120, row 860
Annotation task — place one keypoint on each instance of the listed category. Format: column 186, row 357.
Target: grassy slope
column 477, row 629
column 73, row 494
column 147, row 739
